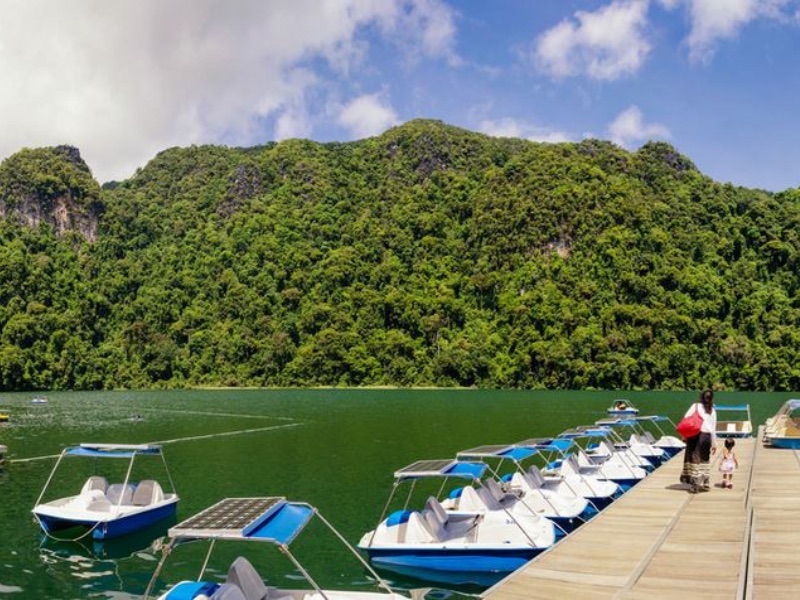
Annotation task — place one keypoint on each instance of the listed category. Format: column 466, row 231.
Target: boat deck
column 658, row 541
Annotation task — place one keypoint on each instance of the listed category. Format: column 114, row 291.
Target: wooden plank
column 647, row 544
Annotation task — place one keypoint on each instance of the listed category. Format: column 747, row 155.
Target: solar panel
column 424, row 467
column 228, row 518
column 489, row 450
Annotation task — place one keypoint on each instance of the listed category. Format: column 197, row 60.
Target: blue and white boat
column 248, row 521
column 560, row 470
column 604, row 462
column 622, row 407
column 559, row 504
column 636, row 445
column 459, row 547
column 106, row 510
column 783, row 429
column 668, row 443
column 734, row 421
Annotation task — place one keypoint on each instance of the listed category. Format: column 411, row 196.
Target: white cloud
column 629, row 128
column 123, row 80
column 509, row 127
column 715, row 20
column 367, row 115
column 606, row 44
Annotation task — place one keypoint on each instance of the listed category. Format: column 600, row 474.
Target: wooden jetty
column 659, row 541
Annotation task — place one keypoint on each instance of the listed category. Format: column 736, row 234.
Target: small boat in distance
column 273, row 520
column 783, row 429
column 622, row 407
column 3, row 418
column 737, row 426
column 3, row 452
column 39, row 400
column 108, row 510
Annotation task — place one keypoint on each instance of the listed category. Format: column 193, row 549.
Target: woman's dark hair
column 707, row 400
column 729, row 443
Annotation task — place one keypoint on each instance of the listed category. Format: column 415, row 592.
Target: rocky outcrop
column 51, row 186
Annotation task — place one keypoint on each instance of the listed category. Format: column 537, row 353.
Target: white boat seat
column 417, row 530
column 228, row 591
column 500, row 497
column 243, row 575
column 118, row 490
column 95, row 482
column 435, row 506
column 472, row 500
column 535, row 476
column 147, row 492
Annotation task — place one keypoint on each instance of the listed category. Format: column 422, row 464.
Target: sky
column 123, row 80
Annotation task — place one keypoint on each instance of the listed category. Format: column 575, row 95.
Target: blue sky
column 716, row 78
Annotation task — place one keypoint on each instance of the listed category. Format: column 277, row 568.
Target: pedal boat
column 636, row 446
column 783, row 429
column 734, row 421
column 523, row 490
column 670, row 444
column 560, row 469
column 606, row 463
column 108, row 511
column 245, row 521
column 622, row 408
column 459, row 547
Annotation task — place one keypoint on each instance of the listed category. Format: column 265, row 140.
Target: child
column 728, row 464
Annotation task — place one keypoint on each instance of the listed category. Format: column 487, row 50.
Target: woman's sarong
column 696, row 462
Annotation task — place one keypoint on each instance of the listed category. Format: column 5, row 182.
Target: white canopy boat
column 108, row 510
column 463, row 546
column 269, row 520
column 783, row 429
column 734, row 421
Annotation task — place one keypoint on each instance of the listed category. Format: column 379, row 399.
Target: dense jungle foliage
column 429, row 255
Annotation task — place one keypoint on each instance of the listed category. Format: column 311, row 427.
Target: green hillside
column 429, row 255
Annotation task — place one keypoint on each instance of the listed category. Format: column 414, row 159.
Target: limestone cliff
column 53, row 186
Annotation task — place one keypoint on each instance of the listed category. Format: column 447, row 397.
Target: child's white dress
column 728, row 464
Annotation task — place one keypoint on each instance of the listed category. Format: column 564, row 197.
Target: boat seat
column 436, row 507
column 146, row 493
column 500, row 497
column 534, row 475
column 473, row 500
column 228, row 591
column 417, row 530
column 95, row 482
column 117, row 491
column 243, row 575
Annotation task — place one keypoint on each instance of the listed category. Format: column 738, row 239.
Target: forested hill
column 429, row 255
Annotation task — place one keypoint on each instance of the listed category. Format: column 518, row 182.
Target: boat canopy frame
column 118, row 451
column 270, row 519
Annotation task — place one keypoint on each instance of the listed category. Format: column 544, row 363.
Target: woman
column 699, row 448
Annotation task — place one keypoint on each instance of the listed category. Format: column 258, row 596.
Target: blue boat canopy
column 270, row 519
column 112, row 450
column 518, row 454
column 512, row 452
column 441, row 468
column 558, row 445
column 732, row 407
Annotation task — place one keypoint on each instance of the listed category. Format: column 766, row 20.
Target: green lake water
column 336, row 449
